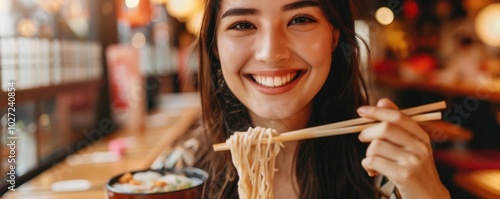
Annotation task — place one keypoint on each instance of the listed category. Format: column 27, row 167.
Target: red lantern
column 411, row 9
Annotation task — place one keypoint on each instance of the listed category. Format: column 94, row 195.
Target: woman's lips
column 273, row 83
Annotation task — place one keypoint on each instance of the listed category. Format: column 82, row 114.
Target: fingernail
column 363, row 110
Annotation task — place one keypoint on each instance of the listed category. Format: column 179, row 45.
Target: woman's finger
column 394, row 134
column 397, row 136
column 395, row 117
column 388, row 150
column 387, row 103
column 398, row 172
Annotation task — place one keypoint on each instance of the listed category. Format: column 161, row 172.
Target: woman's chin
column 284, row 120
column 271, row 115
column 278, row 114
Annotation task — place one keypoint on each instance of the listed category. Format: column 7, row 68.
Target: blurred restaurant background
column 85, row 70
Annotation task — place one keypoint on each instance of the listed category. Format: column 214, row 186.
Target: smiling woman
column 258, row 48
column 277, row 64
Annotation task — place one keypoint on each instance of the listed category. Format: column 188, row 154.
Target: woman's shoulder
column 386, row 187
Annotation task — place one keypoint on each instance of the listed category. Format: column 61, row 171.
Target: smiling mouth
column 276, row 80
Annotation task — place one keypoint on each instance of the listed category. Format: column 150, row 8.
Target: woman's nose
column 272, row 47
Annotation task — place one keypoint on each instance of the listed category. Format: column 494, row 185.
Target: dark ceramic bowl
column 189, row 193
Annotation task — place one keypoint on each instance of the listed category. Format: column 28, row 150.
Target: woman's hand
column 400, row 150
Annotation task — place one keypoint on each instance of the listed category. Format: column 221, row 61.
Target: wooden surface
column 47, row 92
column 483, row 183
column 484, row 91
column 96, row 164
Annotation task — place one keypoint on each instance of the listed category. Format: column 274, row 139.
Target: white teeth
column 275, row 81
column 269, row 82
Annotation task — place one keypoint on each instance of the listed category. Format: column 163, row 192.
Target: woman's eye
column 242, row 26
column 302, row 20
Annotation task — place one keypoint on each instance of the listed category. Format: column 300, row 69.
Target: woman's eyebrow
column 253, row 11
column 299, row 4
column 240, row 11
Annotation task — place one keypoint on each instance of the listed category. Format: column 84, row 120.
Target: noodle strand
column 255, row 164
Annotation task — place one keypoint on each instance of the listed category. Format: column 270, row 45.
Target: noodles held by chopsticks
column 255, row 164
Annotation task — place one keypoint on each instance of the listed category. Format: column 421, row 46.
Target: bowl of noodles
column 185, row 183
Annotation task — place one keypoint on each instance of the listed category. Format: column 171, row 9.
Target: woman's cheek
column 233, row 52
column 313, row 48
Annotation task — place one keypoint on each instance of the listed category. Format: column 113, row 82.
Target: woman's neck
column 285, row 180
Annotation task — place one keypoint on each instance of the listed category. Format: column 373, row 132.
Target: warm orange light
column 159, row 1
column 384, row 16
column 137, row 16
column 487, row 25
column 194, row 23
column 52, row 6
column 183, row 9
column 27, row 27
column 132, row 3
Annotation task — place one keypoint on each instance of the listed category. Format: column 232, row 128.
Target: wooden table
column 483, row 183
column 144, row 148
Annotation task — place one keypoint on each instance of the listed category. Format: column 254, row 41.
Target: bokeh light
column 182, row 9
column 384, row 16
column 487, row 25
column 27, row 28
column 132, row 3
column 138, row 40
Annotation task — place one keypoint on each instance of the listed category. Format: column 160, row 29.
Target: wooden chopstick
column 308, row 133
column 410, row 111
column 337, row 128
column 351, row 129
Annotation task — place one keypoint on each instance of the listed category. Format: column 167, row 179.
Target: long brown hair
column 326, row 167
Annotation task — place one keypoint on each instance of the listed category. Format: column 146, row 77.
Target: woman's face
column 275, row 55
